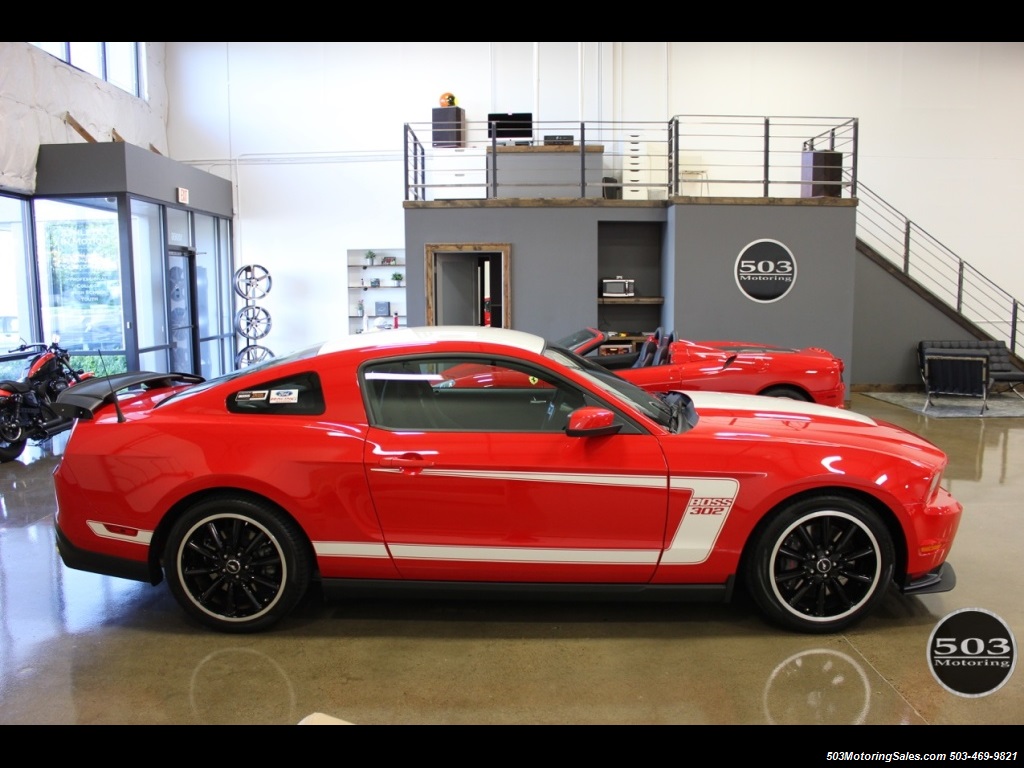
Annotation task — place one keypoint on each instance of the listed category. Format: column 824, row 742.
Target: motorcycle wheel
column 10, row 449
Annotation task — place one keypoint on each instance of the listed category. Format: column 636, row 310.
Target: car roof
column 397, row 337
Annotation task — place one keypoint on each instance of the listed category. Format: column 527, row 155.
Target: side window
column 471, row 394
column 300, row 395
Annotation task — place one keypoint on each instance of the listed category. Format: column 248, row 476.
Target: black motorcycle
column 26, row 405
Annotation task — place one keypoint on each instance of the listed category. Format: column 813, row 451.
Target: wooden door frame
column 430, row 253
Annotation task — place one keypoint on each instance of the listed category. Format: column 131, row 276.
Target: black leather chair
column 1004, row 376
column 955, row 372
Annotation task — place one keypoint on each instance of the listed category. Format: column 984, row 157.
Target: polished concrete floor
column 82, row 649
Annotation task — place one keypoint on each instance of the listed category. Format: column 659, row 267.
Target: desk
column 544, row 170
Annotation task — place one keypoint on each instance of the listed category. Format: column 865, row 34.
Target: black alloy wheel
column 237, row 565
column 821, row 564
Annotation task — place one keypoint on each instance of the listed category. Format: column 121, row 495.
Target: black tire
column 237, row 565
column 11, row 450
column 821, row 564
column 789, row 392
column 12, row 444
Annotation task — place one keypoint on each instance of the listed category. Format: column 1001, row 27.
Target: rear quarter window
column 299, row 394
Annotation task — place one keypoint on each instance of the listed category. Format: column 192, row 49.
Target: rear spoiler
column 85, row 398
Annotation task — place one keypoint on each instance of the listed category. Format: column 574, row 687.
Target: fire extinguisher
column 395, row 323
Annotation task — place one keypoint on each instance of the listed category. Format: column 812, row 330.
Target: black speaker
column 821, row 174
column 449, row 125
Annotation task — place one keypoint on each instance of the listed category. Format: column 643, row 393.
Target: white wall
column 38, row 92
column 310, row 133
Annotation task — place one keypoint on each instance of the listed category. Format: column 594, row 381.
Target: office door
column 183, row 324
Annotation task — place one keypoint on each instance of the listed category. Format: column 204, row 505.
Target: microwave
column 612, row 287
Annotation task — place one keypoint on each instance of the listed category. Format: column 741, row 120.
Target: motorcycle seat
column 21, row 387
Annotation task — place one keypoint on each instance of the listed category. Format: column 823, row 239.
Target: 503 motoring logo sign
column 765, row 271
column 972, row 652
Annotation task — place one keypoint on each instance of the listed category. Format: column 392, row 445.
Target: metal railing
column 922, row 258
column 700, row 156
column 687, row 155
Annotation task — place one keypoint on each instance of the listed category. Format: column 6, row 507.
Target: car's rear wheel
column 791, row 392
column 236, row 565
column 821, row 564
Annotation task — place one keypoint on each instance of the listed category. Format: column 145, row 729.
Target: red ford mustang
column 665, row 363
column 365, row 466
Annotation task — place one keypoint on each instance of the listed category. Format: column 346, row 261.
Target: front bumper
column 941, row 579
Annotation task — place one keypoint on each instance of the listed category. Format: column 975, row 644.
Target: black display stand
column 449, row 126
column 821, row 174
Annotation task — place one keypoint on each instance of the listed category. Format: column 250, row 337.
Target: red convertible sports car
column 664, row 363
column 367, row 466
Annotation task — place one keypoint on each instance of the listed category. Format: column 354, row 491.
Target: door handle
column 412, row 460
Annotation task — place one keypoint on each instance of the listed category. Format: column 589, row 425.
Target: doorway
column 468, row 284
column 180, row 292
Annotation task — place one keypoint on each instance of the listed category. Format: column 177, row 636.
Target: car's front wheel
column 236, row 565
column 821, row 564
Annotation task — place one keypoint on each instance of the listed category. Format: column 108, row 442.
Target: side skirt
column 339, row 589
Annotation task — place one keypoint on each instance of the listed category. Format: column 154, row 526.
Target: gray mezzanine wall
column 818, row 309
column 553, row 261
column 890, row 319
column 555, row 271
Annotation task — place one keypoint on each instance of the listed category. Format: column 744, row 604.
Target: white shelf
column 360, row 273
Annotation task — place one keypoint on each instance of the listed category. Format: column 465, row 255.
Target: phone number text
column 888, row 757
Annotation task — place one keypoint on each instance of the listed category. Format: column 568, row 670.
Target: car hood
column 776, row 418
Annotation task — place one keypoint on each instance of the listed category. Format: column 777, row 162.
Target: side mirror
column 591, row 421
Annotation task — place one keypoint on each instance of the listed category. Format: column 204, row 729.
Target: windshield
column 648, row 403
column 575, row 340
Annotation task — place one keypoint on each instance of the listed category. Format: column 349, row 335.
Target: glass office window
column 214, row 297
column 150, row 291
column 15, row 308
column 79, row 257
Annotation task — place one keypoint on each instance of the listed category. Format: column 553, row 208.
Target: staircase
column 935, row 273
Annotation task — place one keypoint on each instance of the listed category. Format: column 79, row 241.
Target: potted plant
column 370, row 256
column 359, row 308
column 397, row 277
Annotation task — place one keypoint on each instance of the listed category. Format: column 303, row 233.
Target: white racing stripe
column 527, row 555
column 710, row 502
column 565, row 478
